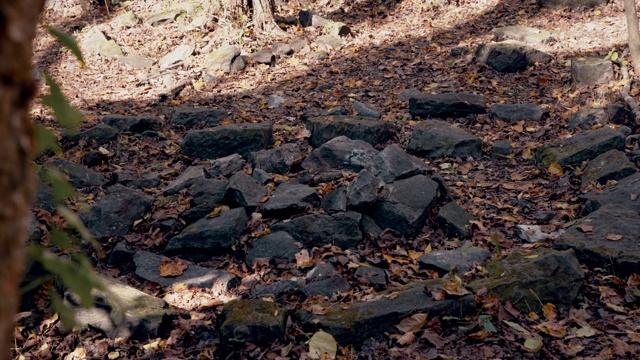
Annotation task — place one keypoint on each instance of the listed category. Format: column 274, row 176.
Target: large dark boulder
column 226, row 140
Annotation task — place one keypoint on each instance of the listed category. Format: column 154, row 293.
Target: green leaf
column 75, row 222
column 614, row 56
column 322, row 343
column 486, row 319
column 68, row 116
column 46, row 140
column 61, row 188
column 66, row 40
column 533, row 345
column 515, row 326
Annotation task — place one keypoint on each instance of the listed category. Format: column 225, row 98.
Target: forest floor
column 395, row 46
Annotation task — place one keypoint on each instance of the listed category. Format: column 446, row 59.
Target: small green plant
column 613, row 55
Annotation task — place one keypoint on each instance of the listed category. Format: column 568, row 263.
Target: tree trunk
column 18, row 20
column 634, row 33
column 263, row 15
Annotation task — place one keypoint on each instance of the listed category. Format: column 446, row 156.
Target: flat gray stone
column 132, row 124
column 291, row 198
column 405, row 204
column 447, row 105
column 335, row 200
column 612, row 165
column 613, row 241
column 580, row 147
column 325, row 128
column 100, row 133
column 362, row 192
column 185, row 179
column 263, row 57
column 137, row 62
column 317, row 230
column 434, row 138
column 277, row 160
column 531, row 279
column 147, row 267
column 525, row 34
column 253, row 321
column 96, row 43
column 624, row 193
column 328, row 287
column 393, row 163
column 223, row 58
column 211, row 192
column 574, row 4
column 189, row 118
column 116, row 212
column 176, row 55
column 280, row 289
column 586, row 119
column 454, row 220
column 278, row 245
column 209, row 236
column 372, row 276
column 226, row 140
column 591, row 71
column 462, row 259
column 372, row 318
column 513, row 113
column 78, row 175
column 365, row 110
column 341, row 153
column 510, row 56
column 245, row 191
column 139, row 181
column 226, row 166
column 123, row 312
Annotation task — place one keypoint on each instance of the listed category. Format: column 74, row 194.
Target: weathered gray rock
column 510, row 56
column 263, row 57
column 341, row 229
column 525, row 34
column 94, row 158
column 244, row 191
column 393, row 163
column 405, row 204
column 278, row 245
column 456, row 105
column 501, row 148
column 620, row 115
column 325, row 128
column 78, row 175
column 362, row 192
column 139, row 181
column 512, row 113
column 226, row 166
column 624, row 193
column 209, row 236
column 132, row 124
column 367, row 111
column 224, row 58
column 319, row 55
column 100, row 133
column 275, row 101
column 281, row 48
column 534, row 233
column 261, row 176
column 336, row 200
column 612, row 242
column 122, row 311
column 591, row 71
column 612, row 165
column 280, row 289
column 210, row 192
column 586, row 119
column 126, row 20
column 96, row 43
column 185, row 179
column 164, row 16
column 531, row 279
column 341, row 153
column 225, row 140
column 176, row 55
column 147, row 267
column 253, row 321
column 120, row 255
column 291, row 198
column 196, row 117
column 116, row 212
column 580, row 147
column 328, row 286
column 336, row 28
column 277, row 160
column 311, row 18
column 321, row 271
column 462, row 259
column 329, row 40
column 454, row 220
column 372, row 276
column 371, row 318
column 574, row 4
column 433, row 138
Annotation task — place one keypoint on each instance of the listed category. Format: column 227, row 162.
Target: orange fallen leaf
column 614, row 237
column 551, row 328
column 172, row 267
column 555, row 169
column 585, row 228
column 549, row 311
column 480, row 334
column 633, row 197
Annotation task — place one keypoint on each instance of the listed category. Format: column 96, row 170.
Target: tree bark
column 263, row 18
column 633, row 33
column 18, row 20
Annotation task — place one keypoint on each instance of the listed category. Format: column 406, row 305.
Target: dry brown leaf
column 549, row 311
column 634, row 280
column 633, row 197
column 455, row 287
column 617, row 308
column 434, row 338
column 480, row 334
column 413, row 323
column 551, row 328
column 406, row 339
column 585, row 228
column 614, row 237
column 555, row 169
column 319, row 309
column 172, row 267
column 633, row 336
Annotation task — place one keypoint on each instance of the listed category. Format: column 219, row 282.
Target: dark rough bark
column 18, row 21
column 634, row 33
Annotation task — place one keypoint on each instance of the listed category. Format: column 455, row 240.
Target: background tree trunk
column 634, row 33
column 263, row 15
column 18, row 20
